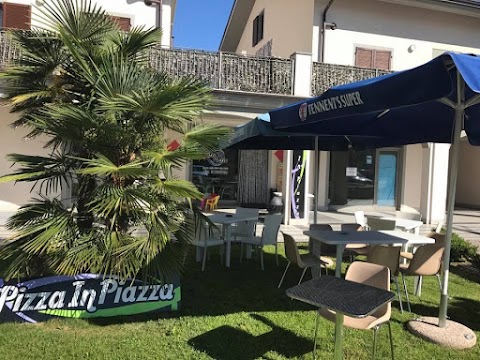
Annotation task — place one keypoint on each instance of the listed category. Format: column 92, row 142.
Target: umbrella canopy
column 410, row 106
column 430, row 103
column 258, row 134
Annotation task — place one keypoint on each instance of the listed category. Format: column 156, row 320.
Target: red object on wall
column 279, row 155
column 174, row 145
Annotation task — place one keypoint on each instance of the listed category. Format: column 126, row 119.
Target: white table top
column 226, row 219
column 390, row 237
column 407, row 224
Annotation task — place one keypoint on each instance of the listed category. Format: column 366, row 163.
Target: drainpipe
column 322, row 30
column 159, row 3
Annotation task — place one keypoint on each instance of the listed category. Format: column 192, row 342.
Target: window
column 15, row 16
column 257, row 29
column 123, row 22
column 373, row 58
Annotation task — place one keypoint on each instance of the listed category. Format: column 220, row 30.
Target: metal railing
column 226, row 71
column 325, row 76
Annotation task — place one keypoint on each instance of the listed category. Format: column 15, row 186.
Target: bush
column 462, row 250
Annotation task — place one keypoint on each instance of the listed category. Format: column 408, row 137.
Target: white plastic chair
column 244, row 229
column 408, row 215
column 374, row 223
column 205, row 237
column 360, row 217
column 269, row 236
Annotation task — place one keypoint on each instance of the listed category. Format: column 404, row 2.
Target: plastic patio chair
column 269, row 236
column 388, row 256
column 212, row 203
column 244, row 229
column 374, row 223
column 368, row 274
column 303, row 261
column 354, row 249
column 427, row 261
column 360, row 218
column 207, row 236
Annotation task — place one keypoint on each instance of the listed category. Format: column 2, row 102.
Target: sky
column 199, row 24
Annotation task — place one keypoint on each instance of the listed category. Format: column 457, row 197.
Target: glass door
column 386, row 189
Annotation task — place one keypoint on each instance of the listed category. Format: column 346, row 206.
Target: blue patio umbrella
column 258, row 134
column 430, row 103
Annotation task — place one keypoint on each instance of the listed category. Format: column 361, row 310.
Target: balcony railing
column 325, row 76
column 228, row 71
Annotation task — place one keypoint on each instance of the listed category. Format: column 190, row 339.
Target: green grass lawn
column 238, row 314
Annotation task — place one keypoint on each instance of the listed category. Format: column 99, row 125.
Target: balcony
column 228, row 71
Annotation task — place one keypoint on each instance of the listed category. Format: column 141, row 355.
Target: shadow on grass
column 226, row 342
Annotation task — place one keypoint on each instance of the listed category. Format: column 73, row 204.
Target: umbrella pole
column 316, row 182
column 452, row 185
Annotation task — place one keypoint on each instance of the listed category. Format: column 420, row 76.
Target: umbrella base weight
column 453, row 335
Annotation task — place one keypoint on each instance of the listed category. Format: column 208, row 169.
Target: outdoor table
column 342, row 238
column 226, row 220
column 342, row 296
column 406, row 224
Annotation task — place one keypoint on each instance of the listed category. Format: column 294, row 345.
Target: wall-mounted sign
column 351, row 171
column 83, row 296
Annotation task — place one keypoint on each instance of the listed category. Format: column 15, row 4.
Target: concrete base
column 453, row 335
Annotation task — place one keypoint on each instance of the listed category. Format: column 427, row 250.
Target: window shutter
column 255, row 31
column 123, row 22
column 16, row 16
column 364, row 57
column 382, row 59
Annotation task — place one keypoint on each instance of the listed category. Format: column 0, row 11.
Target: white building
column 23, row 14
column 383, row 34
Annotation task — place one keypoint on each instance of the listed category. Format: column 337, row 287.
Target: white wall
column 12, row 141
column 389, row 26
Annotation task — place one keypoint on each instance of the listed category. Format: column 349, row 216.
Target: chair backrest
column 374, row 275
column 271, row 228
column 360, row 217
column 439, row 238
column 317, row 248
column 246, row 228
column 351, row 227
column 427, row 260
column 321, row 227
column 380, row 224
column 408, row 215
column 291, row 249
column 388, row 256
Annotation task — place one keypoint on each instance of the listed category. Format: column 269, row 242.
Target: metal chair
column 269, row 236
column 426, row 261
column 303, row 261
column 368, row 274
column 388, row 256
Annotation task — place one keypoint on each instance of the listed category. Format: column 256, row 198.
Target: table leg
column 338, row 336
column 338, row 261
column 228, row 248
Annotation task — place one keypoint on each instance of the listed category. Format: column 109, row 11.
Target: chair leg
column 303, row 274
column 283, row 276
column 439, row 282
column 204, row 257
column 391, row 339
column 315, row 337
column 261, row 257
column 276, row 254
column 395, row 278
column 406, row 293
column 375, row 331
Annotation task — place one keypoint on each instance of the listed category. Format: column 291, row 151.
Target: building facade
column 387, row 35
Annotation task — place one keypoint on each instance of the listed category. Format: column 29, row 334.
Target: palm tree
column 88, row 87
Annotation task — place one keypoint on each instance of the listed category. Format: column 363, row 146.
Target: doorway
column 387, row 179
